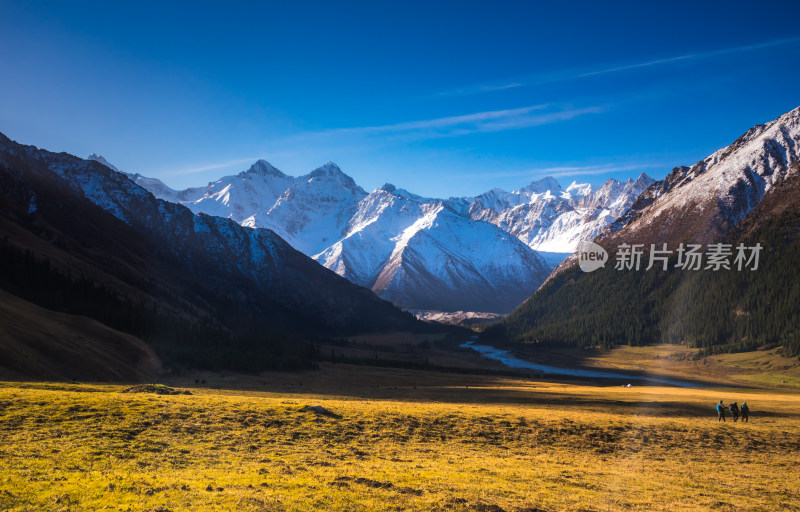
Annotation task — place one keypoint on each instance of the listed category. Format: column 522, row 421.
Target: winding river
column 514, row 362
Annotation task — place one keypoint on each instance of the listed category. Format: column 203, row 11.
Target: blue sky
column 440, row 98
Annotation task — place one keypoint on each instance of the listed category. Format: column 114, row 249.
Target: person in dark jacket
column 745, row 412
column 720, row 412
column 734, row 407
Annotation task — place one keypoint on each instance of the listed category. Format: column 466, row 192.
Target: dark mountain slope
column 722, row 310
column 82, row 239
column 57, row 346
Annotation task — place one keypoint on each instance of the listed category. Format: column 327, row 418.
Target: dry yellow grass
column 405, row 441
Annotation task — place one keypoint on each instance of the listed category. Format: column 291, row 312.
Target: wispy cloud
column 364, row 137
column 567, row 75
column 476, row 119
column 478, row 122
column 210, row 167
column 558, row 172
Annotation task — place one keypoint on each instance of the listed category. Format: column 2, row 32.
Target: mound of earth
column 158, row 389
column 318, row 409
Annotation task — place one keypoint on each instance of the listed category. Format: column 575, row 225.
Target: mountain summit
column 548, row 218
column 263, row 168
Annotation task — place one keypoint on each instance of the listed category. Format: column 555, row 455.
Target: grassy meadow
column 404, row 440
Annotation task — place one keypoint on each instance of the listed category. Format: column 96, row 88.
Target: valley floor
column 403, row 440
column 768, row 368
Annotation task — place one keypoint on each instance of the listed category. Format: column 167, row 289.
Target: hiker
column 720, row 412
column 734, row 407
column 745, row 412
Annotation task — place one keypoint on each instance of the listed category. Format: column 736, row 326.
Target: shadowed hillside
column 81, row 239
column 725, row 310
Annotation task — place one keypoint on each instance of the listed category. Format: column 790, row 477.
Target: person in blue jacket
column 720, row 412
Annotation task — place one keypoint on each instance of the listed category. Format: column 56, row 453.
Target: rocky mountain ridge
column 421, row 253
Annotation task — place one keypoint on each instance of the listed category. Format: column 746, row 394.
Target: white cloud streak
column 577, row 74
column 557, row 172
column 210, row 167
column 450, row 126
column 478, row 122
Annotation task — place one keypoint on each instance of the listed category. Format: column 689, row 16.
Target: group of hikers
column 735, row 410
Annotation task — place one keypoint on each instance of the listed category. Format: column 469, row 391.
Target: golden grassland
column 406, row 440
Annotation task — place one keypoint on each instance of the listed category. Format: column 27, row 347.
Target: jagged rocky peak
column 611, row 183
column 402, row 193
column 612, row 188
column 331, row 173
column 645, row 180
column 543, row 185
column 99, row 159
column 782, row 124
column 263, row 168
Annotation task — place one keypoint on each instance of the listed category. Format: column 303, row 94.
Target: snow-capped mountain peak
column 645, row 179
column 403, row 245
column 543, row 186
column 576, row 190
column 263, row 168
column 330, row 175
column 548, row 218
column 329, row 169
column 415, row 251
column 421, row 254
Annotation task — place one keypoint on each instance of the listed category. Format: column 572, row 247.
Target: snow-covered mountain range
column 548, row 218
column 470, row 254
column 310, row 211
column 416, row 252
